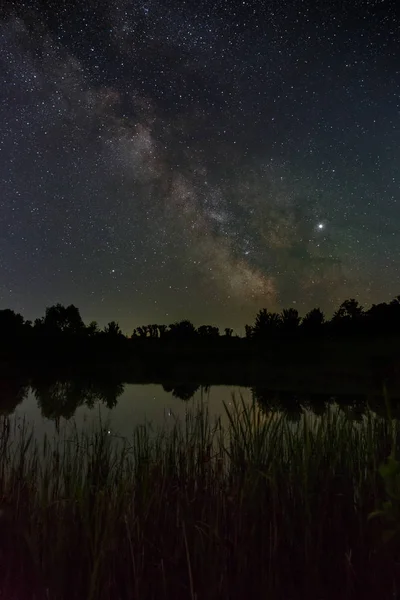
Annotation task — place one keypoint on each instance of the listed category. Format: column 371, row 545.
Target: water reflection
column 183, row 391
column 55, row 399
column 61, row 398
column 12, row 393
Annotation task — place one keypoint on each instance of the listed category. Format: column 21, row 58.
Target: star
column 198, row 150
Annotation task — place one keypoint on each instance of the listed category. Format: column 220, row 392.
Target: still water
column 51, row 407
column 136, row 405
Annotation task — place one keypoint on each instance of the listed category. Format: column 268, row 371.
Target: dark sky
column 165, row 160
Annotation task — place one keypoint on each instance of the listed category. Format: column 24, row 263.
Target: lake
column 51, row 406
column 137, row 405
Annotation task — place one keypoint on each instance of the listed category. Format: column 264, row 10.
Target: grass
column 260, row 508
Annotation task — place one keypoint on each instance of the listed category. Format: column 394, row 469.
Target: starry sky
column 164, row 159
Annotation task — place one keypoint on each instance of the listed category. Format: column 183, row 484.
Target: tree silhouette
column 313, row 322
column 395, row 313
column 140, row 332
column 348, row 318
column 182, row 330
column 350, row 310
column 248, row 329
column 150, row 331
column 113, row 330
column 208, row 331
column 153, row 331
column 11, row 323
column 266, row 324
column 60, row 338
column 61, row 319
column 290, row 320
column 162, row 329
column 92, row 329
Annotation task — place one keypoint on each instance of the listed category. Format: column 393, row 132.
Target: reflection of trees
column 61, row 398
column 318, row 403
column 108, row 391
column 12, row 393
column 58, row 399
column 266, row 399
column 274, row 401
column 183, row 391
column 354, row 406
column 291, row 405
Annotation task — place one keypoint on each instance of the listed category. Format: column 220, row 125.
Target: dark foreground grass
column 260, row 509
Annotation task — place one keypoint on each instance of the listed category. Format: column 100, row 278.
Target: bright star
column 320, row 226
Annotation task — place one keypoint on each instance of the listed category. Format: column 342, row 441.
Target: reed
column 258, row 508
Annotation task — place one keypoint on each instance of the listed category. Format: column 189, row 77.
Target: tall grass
column 260, row 508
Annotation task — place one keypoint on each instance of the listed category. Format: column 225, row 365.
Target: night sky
column 164, row 160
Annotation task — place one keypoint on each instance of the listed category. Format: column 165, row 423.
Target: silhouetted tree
column 38, row 324
column 290, row 320
column 349, row 309
column 228, row 332
column 92, row 329
column 266, row 324
column 112, row 329
column 248, row 329
column 61, row 319
column 140, row 332
column 208, row 331
column 313, row 322
column 395, row 314
column 378, row 318
column 348, row 318
column 162, row 330
column 11, row 323
column 182, row 330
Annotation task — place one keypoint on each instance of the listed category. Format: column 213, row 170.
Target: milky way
column 166, row 160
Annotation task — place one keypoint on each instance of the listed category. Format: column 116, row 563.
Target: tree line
column 350, row 318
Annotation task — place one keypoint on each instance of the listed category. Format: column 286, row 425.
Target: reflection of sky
column 150, row 404
column 139, row 404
